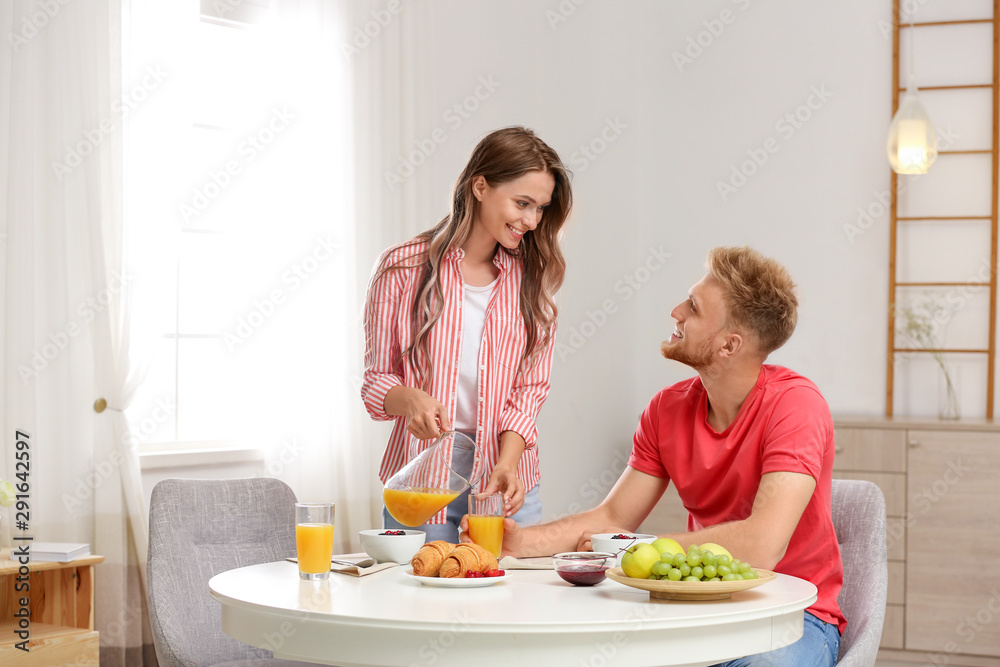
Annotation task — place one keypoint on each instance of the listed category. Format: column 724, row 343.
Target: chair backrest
column 860, row 523
column 197, row 529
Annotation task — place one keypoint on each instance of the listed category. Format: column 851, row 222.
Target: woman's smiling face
column 511, row 209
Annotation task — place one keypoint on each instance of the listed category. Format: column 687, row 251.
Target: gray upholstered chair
column 859, row 519
column 197, row 529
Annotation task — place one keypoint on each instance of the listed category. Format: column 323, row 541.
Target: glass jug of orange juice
column 433, row 478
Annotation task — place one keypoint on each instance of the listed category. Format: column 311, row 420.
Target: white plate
column 455, row 582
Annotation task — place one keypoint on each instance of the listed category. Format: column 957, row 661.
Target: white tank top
column 474, row 303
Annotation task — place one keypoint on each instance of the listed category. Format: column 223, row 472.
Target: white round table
column 531, row 618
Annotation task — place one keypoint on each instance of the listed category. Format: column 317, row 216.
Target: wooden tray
column 690, row 590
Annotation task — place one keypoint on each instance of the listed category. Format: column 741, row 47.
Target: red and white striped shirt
column 509, row 398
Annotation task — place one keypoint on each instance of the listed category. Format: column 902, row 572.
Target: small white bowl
column 392, row 548
column 605, row 542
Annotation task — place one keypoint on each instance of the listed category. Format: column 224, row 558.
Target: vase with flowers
column 923, row 322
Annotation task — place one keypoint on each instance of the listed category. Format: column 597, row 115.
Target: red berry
column 495, row 573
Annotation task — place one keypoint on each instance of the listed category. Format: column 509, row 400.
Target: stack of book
column 60, row 552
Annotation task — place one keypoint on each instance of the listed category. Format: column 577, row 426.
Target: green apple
column 716, row 549
column 638, row 560
column 666, row 545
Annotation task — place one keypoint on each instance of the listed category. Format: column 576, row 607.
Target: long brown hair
column 502, row 156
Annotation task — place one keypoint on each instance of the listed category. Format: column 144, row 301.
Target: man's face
column 699, row 333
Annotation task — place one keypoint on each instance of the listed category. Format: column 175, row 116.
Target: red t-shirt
column 784, row 425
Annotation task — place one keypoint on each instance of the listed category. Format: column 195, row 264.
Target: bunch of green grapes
column 698, row 565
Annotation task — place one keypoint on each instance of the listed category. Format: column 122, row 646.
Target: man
column 748, row 445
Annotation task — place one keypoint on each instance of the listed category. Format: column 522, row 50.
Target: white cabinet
column 953, row 543
column 942, row 486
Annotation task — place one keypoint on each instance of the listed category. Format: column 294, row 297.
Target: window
column 234, row 217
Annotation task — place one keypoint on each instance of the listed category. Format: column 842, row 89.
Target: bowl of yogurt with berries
column 617, row 543
column 392, row 546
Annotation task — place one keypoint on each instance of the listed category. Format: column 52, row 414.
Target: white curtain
column 387, row 55
column 65, row 322
column 67, row 302
column 323, row 452
column 285, row 225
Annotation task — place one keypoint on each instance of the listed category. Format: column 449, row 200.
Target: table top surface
column 524, row 601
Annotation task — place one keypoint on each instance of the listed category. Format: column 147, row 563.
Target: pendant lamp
column 912, row 143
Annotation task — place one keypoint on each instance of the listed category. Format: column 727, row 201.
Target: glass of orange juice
column 486, row 521
column 314, row 539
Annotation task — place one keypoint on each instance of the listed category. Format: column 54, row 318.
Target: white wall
column 606, row 75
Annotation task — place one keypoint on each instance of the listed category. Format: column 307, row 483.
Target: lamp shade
column 912, row 143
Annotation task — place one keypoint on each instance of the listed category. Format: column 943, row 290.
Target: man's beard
column 697, row 359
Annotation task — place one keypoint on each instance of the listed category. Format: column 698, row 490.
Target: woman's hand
column 425, row 416
column 505, row 480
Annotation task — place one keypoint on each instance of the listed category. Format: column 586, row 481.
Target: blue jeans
column 818, row 647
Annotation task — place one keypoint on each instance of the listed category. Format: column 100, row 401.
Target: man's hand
column 762, row 538
column 426, row 417
column 505, row 481
column 511, row 536
column 584, row 543
column 626, row 507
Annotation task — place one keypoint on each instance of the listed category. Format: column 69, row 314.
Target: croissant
column 427, row 561
column 467, row 557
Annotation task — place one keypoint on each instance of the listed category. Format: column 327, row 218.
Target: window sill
column 185, row 456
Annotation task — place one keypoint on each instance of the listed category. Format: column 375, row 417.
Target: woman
column 460, row 322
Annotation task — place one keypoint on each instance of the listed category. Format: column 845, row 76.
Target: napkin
column 539, row 563
column 354, row 570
